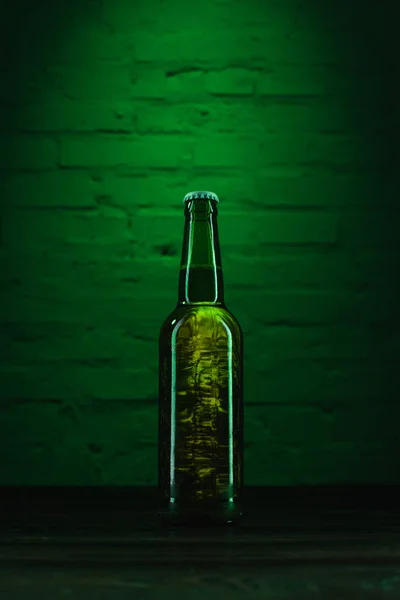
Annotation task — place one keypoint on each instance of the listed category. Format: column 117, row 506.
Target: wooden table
column 108, row 544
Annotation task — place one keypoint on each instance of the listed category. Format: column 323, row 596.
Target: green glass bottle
column 200, row 446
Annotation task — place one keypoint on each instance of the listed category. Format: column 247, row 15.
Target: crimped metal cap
column 200, row 196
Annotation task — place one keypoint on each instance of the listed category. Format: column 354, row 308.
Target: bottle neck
column 200, row 278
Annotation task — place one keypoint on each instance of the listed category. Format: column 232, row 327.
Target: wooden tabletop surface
column 291, row 544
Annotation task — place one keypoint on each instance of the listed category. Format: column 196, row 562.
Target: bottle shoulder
column 201, row 316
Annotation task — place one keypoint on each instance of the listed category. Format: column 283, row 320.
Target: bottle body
column 200, row 460
column 201, row 414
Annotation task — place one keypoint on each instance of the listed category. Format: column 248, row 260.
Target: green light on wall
column 112, row 112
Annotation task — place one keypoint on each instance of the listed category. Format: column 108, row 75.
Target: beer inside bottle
column 201, row 382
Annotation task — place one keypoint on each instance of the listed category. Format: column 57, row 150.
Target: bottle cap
column 201, row 196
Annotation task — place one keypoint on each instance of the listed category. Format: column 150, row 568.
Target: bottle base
column 201, row 513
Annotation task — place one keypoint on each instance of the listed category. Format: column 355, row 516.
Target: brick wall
column 110, row 111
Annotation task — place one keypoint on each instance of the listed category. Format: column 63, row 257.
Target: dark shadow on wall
column 32, row 35
column 361, row 352
column 374, row 49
